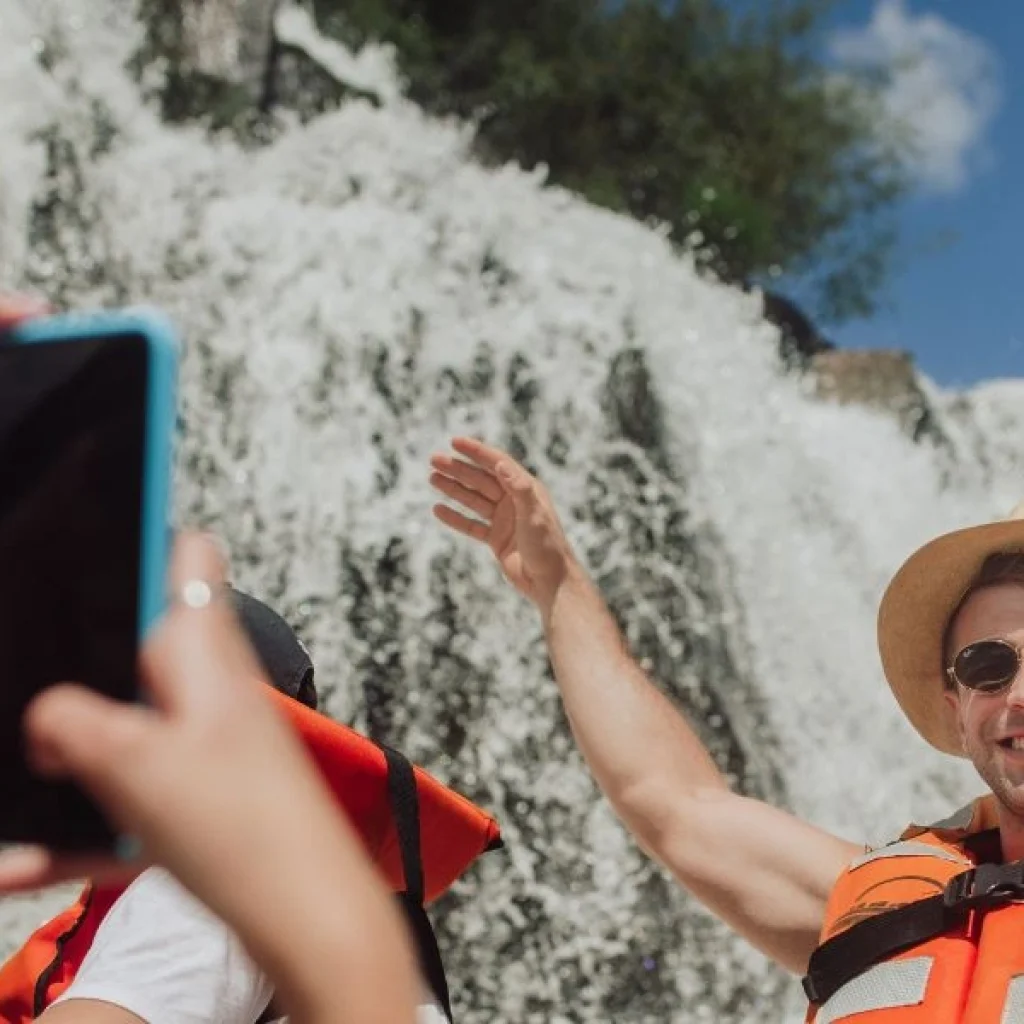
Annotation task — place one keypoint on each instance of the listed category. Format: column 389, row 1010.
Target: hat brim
column 915, row 612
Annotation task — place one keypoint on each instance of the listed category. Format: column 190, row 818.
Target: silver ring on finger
column 198, row 593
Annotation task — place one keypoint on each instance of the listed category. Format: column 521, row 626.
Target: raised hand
column 512, row 514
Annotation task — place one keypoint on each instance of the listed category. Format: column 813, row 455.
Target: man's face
column 992, row 726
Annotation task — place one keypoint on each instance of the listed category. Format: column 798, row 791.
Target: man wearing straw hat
column 950, row 630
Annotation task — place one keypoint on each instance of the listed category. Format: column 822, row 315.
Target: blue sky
column 958, row 305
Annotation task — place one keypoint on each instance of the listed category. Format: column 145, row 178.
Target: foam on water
column 357, row 291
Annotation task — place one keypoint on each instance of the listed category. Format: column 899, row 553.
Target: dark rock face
column 799, row 339
column 210, row 58
column 223, row 62
column 228, row 39
column 879, row 379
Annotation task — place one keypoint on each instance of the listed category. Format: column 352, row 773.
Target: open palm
column 512, row 514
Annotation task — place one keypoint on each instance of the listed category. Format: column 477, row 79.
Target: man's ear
column 951, row 700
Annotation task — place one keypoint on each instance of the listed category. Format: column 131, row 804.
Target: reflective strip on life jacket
column 909, row 848
column 954, row 929
column 886, row 986
column 1014, row 1012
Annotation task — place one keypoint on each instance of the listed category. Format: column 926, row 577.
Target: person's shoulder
column 162, row 955
column 158, row 889
column 155, row 879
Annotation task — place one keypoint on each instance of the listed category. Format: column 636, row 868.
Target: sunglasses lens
column 986, row 666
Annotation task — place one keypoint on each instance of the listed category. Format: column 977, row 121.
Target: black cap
column 287, row 663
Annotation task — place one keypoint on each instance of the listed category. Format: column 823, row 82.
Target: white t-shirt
column 162, row 955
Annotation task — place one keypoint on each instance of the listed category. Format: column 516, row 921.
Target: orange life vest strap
column 851, row 952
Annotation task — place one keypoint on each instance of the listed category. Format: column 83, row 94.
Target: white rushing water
column 359, row 290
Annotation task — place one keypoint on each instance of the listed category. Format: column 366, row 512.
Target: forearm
column 640, row 748
column 312, row 909
column 337, row 949
column 346, row 978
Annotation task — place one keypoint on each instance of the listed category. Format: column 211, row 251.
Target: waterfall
column 356, row 290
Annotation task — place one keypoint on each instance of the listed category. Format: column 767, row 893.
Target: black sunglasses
column 987, row 666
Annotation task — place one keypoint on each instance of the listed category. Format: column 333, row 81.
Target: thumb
column 73, row 731
column 15, row 308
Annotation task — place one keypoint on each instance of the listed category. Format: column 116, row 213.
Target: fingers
column 25, row 868
column 15, row 308
column 462, row 524
column 73, row 731
column 481, row 484
column 470, row 476
column 476, row 451
column 497, row 465
column 471, row 486
column 196, row 557
column 197, row 655
column 473, row 500
column 104, row 744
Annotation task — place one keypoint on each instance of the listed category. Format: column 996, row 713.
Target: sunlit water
column 359, row 290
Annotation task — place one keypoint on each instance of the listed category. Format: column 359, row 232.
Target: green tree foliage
column 716, row 119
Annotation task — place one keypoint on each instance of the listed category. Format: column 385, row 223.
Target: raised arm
column 763, row 871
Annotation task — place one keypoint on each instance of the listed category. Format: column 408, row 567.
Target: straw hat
column 916, row 610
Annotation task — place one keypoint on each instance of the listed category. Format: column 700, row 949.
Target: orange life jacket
column 926, row 930
column 390, row 803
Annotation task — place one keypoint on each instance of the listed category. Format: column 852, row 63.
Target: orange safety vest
column 382, row 794
column 926, row 930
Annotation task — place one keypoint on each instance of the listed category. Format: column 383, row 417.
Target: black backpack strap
column 405, row 807
column 427, row 950
column 843, row 957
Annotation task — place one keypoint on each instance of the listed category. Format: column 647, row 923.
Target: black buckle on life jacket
column 873, row 939
column 985, row 886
